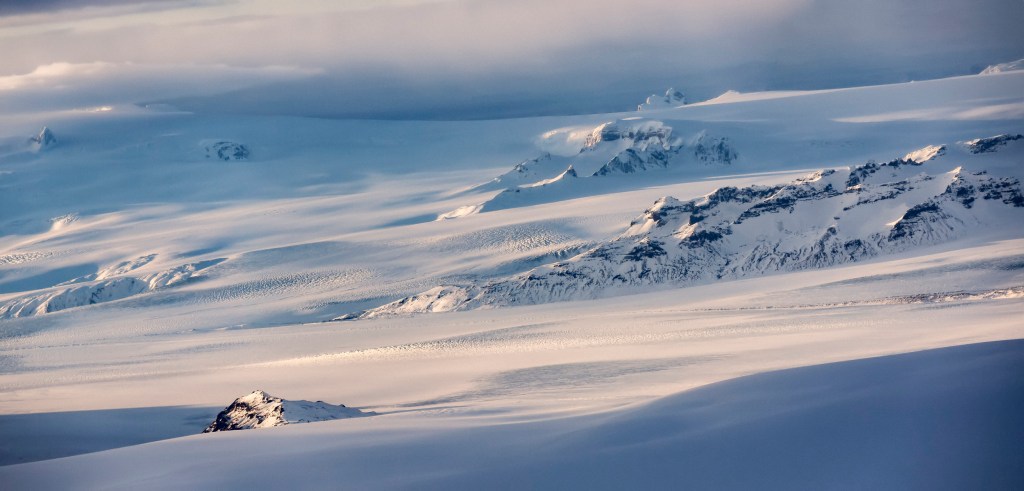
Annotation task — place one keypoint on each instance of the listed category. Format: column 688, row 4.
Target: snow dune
column 937, row 419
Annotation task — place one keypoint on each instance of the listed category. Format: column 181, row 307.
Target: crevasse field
column 773, row 290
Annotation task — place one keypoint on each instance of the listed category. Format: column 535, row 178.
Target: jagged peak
column 45, row 138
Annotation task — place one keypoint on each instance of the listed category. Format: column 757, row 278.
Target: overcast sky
column 443, row 59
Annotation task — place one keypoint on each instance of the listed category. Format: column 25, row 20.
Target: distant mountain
column 623, row 147
column 671, row 98
column 262, row 410
column 830, row 217
column 43, row 140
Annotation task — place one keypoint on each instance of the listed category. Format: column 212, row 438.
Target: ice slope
column 328, row 217
column 332, row 216
column 939, row 419
column 830, row 217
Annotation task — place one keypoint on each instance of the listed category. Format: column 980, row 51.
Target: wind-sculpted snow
column 1009, row 66
column 105, row 286
column 827, row 218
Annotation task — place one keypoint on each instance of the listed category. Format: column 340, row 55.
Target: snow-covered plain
column 153, row 259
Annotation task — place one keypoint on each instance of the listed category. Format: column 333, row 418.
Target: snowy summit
column 671, row 98
column 44, row 139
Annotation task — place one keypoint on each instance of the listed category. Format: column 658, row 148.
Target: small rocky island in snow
column 262, row 410
column 226, row 150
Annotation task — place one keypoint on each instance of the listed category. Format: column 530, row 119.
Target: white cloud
column 70, row 85
column 531, row 51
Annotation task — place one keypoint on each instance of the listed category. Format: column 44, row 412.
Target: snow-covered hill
column 671, row 98
column 830, row 217
column 608, row 156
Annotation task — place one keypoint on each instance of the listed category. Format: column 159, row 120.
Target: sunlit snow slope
column 511, row 278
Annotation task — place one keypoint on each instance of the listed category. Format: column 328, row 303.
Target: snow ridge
column 1003, row 67
column 106, row 286
column 827, row 218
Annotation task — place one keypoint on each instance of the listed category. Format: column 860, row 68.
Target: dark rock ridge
column 827, row 218
column 990, row 144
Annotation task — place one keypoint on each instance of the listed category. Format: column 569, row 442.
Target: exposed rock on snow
column 640, row 134
column 672, row 98
column 43, row 140
column 713, row 150
column 990, row 144
column 226, row 150
column 1003, row 67
column 105, row 286
column 827, row 218
column 262, row 410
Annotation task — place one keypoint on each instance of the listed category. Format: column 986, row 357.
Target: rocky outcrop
column 990, row 144
column 828, row 218
column 262, row 410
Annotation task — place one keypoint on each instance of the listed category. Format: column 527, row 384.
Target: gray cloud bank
column 494, row 58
